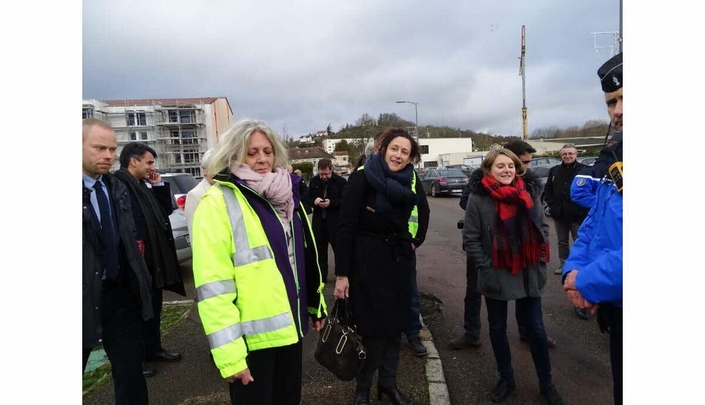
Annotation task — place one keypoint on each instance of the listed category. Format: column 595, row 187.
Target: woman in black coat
column 374, row 259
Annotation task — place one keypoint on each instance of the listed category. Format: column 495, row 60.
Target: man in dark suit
column 152, row 204
column 325, row 191
column 116, row 282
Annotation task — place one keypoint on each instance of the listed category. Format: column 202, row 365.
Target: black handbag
column 340, row 348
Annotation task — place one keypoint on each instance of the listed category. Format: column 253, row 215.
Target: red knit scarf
column 517, row 241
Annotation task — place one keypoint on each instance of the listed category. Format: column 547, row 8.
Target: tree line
column 366, row 127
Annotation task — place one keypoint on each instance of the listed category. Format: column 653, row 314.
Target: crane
column 522, row 73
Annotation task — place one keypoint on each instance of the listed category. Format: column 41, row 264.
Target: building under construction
column 179, row 130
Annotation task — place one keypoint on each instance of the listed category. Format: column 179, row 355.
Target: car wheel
column 434, row 191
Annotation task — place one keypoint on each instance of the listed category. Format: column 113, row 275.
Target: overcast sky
column 300, row 65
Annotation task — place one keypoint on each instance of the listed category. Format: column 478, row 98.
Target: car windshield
column 541, row 171
column 451, row 173
column 181, row 184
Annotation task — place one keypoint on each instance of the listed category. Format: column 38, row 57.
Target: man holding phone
column 152, row 204
column 325, row 191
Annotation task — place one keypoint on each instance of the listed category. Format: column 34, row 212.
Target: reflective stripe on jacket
column 233, row 263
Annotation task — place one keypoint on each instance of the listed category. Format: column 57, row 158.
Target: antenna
column 613, row 43
column 522, row 73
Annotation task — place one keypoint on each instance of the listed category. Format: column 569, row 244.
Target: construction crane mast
column 522, row 73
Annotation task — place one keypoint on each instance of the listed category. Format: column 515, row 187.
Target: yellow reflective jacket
column 242, row 297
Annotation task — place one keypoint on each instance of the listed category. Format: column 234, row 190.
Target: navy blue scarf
column 393, row 188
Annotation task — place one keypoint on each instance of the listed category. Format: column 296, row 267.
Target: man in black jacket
column 324, row 193
column 152, row 204
column 116, row 282
column 566, row 214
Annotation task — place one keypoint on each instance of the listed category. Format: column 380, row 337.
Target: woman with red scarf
column 506, row 235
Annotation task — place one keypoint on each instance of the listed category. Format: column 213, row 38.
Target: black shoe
column 551, row 395
column 581, row 313
column 165, row 355
column 416, row 346
column 147, row 370
column 464, row 342
column 502, row 390
column 395, row 397
column 362, row 397
column 551, row 342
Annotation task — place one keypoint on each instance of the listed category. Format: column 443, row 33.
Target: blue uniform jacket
column 597, row 253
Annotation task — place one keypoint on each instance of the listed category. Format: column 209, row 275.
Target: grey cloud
column 311, row 63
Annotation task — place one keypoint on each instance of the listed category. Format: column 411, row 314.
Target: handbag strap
column 344, row 317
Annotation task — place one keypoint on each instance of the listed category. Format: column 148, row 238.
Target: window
column 173, row 116
column 136, row 119
column 423, row 149
column 187, row 117
column 142, row 135
column 87, row 112
column 191, row 157
column 430, row 164
column 188, row 137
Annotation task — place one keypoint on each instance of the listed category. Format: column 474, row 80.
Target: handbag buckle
column 341, row 343
column 362, row 355
column 326, row 332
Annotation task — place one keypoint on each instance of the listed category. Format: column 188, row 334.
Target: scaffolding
column 176, row 131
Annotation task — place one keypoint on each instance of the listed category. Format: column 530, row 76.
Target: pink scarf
column 275, row 187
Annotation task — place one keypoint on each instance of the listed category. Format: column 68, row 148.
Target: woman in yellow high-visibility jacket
column 255, row 267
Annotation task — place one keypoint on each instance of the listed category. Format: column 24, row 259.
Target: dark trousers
column 415, row 325
column 611, row 316
column 277, row 377
column 151, row 333
column 473, row 301
column 382, row 355
column 323, row 238
column 473, row 304
column 122, row 342
column 564, row 230
column 529, row 316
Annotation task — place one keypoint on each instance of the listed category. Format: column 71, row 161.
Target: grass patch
column 172, row 316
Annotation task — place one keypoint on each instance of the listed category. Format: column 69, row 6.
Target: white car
column 181, row 184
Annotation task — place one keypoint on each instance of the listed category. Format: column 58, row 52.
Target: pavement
column 196, row 381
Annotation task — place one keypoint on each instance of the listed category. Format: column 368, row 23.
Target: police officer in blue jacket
column 592, row 275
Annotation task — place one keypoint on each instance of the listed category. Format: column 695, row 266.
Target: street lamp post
column 416, row 112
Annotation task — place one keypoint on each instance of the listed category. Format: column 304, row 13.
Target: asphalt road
column 580, row 362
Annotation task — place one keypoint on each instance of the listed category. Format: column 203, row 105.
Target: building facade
column 312, row 155
column 436, row 151
column 341, row 163
column 179, row 130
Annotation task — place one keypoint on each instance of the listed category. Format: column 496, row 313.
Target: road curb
column 437, row 388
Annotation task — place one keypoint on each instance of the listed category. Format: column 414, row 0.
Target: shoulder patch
column 581, row 182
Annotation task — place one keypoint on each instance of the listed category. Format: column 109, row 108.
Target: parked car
column 545, row 161
column 181, row 184
column 444, row 181
column 587, row 160
column 463, row 168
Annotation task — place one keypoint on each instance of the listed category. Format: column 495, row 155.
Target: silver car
column 181, row 184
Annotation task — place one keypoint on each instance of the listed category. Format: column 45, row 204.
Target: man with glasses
column 566, row 214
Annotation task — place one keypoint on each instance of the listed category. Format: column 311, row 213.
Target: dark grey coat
column 133, row 269
column 480, row 217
